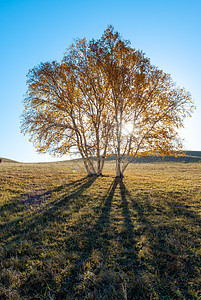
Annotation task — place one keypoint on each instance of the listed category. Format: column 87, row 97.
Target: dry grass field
column 67, row 236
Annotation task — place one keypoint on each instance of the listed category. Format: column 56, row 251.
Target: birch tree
column 143, row 99
column 65, row 108
column 95, row 104
column 103, row 98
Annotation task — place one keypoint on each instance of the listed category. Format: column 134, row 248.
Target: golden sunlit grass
column 67, row 236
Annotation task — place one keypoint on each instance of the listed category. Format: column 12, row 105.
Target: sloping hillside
column 193, row 153
column 6, row 160
column 190, row 157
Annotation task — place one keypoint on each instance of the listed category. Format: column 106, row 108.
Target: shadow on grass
column 19, row 203
column 138, row 288
column 97, row 238
column 155, row 258
column 166, row 248
column 47, row 214
column 104, row 279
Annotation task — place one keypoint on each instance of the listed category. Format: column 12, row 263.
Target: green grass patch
column 67, row 236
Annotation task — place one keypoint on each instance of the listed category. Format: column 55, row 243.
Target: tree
column 93, row 92
column 86, row 103
column 66, row 110
column 143, row 99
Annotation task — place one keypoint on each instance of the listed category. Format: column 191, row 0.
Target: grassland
column 67, row 236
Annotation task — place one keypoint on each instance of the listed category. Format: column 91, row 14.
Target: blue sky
column 169, row 32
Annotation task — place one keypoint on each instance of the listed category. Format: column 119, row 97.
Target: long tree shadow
column 95, row 239
column 129, row 260
column 153, row 256
column 19, row 203
column 98, row 239
column 32, row 230
column 128, row 233
column 26, row 201
column 164, row 251
column 47, row 215
column 183, row 210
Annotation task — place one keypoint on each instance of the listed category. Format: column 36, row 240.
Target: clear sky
column 169, row 32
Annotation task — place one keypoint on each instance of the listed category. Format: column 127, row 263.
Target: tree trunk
column 102, row 164
column 98, row 155
column 87, row 168
column 93, row 172
column 98, row 150
column 103, row 157
column 119, row 172
column 98, row 165
column 126, row 162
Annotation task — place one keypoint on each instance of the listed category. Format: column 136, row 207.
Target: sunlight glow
column 128, row 127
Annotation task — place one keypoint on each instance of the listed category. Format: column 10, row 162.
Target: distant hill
column 193, row 153
column 6, row 160
column 191, row 156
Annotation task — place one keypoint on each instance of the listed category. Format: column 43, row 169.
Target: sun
column 128, row 128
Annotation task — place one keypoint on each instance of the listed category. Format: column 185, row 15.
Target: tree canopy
column 104, row 98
